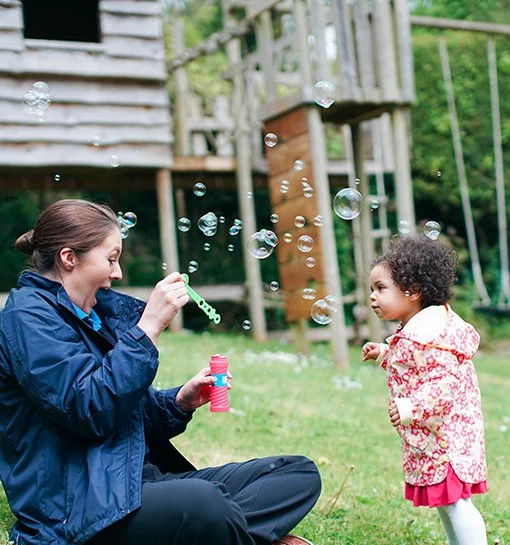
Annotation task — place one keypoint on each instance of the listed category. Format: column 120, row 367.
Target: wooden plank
column 60, row 114
column 11, row 40
column 93, row 92
column 133, row 47
column 131, row 7
column 207, row 163
column 132, row 25
column 10, row 17
column 281, row 158
column 34, row 154
column 455, row 24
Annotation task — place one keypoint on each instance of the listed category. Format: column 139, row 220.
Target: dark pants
column 249, row 503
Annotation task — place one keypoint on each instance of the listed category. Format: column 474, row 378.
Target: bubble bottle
column 219, row 390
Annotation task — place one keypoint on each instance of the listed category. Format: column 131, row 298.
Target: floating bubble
column 305, row 243
column 199, row 189
column 114, row 161
column 318, row 221
column 356, row 181
column 238, row 223
column 324, row 93
column 230, row 247
column 262, row 243
column 233, row 230
column 164, row 266
column 308, row 192
column 439, row 173
column 37, row 100
column 250, row 194
column 321, row 312
column 221, row 219
column 57, row 177
column 274, row 218
column 347, row 203
column 374, row 204
column 271, row 139
column 208, row 223
column 299, row 221
column 246, row 325
column 130, row 219
column 274, row 285
column 287, row 237
column 432, row 229
column 310, row 262
column 404, row 227
column 184, row 224
column 207, row 246
column 333, row 302
column 192, row 267
column 308, row 293
column 97, row 141
column 299, row 165
column 284, row 186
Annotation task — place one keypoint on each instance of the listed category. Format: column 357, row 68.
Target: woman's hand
column 394, row 414
column 197, row 391
column 167, row 297
column 370, row 351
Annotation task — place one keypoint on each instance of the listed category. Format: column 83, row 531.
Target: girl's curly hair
column 421, row 265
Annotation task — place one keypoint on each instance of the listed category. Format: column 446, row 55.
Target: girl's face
column 387, row 300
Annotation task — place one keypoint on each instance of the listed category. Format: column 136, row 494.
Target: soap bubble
column 287, row 237
column 318, row 221
column 310, row 262
column 324, row 93
column 57, row 177
column 130, row 219
column 274, row 285
column 238, row 223
column 221, row 219
column 164, row 266
column 299, row 221
column 347, row 203
column 270, row 139
column 207, row 246
column 233, row 230
column 262, row 243
column 250, row 194
column 230, row 247
column 284, row 186
column 114, row 161
column 321, row 312
column 199, row 189
column 308, row 293
column 333, row 302
column 192, row 267
column 299, row 165
column 432, row 229
column 184, row 224
column 374, row 204
column 208, row 223
column 274, row 218
column 37, row 100
column 404, row 227
column 308, row 191
column 97, row 141
column 246, row 325
column 305, row 243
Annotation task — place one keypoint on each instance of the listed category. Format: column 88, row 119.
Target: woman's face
column 96, row 269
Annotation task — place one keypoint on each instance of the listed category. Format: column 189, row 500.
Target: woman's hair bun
column 25, row 243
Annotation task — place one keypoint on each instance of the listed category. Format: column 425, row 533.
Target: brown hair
column 74, row 223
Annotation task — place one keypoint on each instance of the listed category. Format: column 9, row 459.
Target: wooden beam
column 455, row 24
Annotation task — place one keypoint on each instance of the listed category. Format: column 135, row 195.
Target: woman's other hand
column 197, row 391
column 370, row 351
column 394, row 414
column 167, row 297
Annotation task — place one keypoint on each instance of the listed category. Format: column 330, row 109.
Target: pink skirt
column 444, row 493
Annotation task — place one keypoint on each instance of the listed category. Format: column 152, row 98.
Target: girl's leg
column 463, row 523
column 180, row 512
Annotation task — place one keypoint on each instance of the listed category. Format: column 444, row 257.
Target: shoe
column 292, row 540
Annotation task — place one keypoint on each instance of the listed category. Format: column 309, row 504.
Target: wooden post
column 330, row 258
column 167, row 231
column 264, row 32
column 244, row 189
column 365, row 221
column 181, row 145
column 403, row 185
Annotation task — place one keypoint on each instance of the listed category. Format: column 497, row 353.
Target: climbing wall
column 291, row 129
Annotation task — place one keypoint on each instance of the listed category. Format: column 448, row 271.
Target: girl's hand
column 167, row 297
column 370, row 351
column 394, row 414
column 197, row 391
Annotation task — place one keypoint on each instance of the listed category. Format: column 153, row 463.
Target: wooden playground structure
column 111, row 89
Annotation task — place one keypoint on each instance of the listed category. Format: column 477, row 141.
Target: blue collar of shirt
column 92, row 318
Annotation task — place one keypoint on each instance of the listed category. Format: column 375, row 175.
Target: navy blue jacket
column 78, row 414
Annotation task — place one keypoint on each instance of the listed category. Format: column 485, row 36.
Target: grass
column 283, row 403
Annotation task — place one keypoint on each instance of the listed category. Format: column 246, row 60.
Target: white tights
column 463, row 523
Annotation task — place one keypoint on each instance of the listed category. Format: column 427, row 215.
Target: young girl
column 434, row 397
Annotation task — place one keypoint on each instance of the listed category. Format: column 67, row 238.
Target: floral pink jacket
column 433, row 381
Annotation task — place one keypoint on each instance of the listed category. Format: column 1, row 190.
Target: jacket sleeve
column 66, row 382
column 163, row 418
column 435, row 393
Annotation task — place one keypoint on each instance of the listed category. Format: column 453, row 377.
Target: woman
column 85, row 455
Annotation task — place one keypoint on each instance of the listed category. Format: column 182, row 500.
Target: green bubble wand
column 209, row 311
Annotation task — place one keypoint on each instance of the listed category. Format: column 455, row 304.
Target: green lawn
column 284, row 404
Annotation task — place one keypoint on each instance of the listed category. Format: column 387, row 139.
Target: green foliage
column 496, row 11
